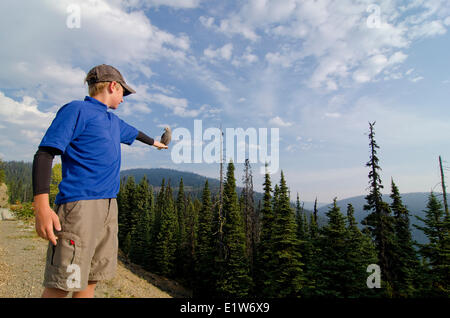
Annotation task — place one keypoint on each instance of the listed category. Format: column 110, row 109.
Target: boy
column 88, row 137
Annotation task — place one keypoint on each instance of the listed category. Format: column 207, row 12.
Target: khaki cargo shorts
column 86, row 248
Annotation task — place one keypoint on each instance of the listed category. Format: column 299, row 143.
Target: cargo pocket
column 67, row 250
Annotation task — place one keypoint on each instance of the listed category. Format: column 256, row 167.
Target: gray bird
column 166, row 136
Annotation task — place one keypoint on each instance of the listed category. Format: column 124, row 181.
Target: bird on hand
column 166, row 136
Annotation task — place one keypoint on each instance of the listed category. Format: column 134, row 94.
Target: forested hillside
column 18, row 180
column 223, row 246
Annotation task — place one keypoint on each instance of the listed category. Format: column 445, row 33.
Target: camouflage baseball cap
column 108, row 73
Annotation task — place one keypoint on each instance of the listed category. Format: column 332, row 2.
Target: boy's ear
column 111, row 86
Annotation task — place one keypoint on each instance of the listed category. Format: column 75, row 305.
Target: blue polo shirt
column 89, row 137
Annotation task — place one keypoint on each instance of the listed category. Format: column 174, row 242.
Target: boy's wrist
column 41, row 201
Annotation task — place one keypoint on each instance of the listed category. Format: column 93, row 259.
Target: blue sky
column 318, row 71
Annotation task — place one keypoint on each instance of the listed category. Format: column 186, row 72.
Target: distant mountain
column 415, row 202
column 191, row 180
column 193, row 183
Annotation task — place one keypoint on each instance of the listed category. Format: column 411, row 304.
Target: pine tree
column 334, row 272
column 288, row 275
column 315, row 211
column 379, row 222
column 249, row 214
column 299, row 217
column 405, row 263
column 166, row 228
column 308, row 249
column 205, row 247
column 191, row 242
column 234, row 280
column 265, row 262
column 181, row 233
column 140, row 237
column 313, row 227
column 435, row 253
column 360, row 254
column 125, row 203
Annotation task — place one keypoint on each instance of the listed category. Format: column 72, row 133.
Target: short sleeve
column 128, row 133
column 67, row 125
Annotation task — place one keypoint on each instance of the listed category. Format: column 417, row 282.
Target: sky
column 316, row 72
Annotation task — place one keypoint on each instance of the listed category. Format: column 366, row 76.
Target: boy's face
column 117, row 95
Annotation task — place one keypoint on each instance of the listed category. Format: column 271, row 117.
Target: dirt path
column 22, row 262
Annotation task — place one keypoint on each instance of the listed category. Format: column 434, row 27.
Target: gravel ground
column 22, row 262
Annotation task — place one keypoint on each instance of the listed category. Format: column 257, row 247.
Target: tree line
column 228, row 246
column 17, row 176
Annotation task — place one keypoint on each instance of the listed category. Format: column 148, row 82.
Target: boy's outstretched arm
column 150, row 141
column 46, row 218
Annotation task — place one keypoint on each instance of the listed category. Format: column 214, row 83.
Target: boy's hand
column 46, row 218
column 159, row 145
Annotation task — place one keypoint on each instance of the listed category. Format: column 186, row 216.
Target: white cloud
column 177, row 4
column 224, row 52
column 208, row 22
column 333, row 115
column 23, row 126
column 48, row 60
column 247, row 58
column 417, row 79
column 23, row 114
column 428, row 29
column 277, row 121
column 336, row 34
column 141, row 104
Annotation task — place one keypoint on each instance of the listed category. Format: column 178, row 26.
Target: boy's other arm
column 46, row 218
column 150, row 141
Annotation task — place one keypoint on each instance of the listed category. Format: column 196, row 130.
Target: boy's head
column 101, row 76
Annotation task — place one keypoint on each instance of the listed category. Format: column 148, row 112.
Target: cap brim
column 127, row 90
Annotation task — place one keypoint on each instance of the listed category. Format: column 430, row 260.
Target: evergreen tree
column 360, row 254
column 334, row 272
column 287, row 279
column 191, row 242
column 166, row 228
column 140, row 236
column 125, row 204
column 313, row 227
column 181, row 233
column 308, row 249
column 299, row 217
column 311, row 254
column 435, row 253
column 405, row 263
column 379, row 222
column 249, row 214
column 234, row 279
column 265, row 262
column 315, row 211
column 205, row 247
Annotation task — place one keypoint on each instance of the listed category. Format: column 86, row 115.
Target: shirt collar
column 95, row 102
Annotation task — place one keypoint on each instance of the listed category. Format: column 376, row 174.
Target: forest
column 230, row 246
column 227, row 245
